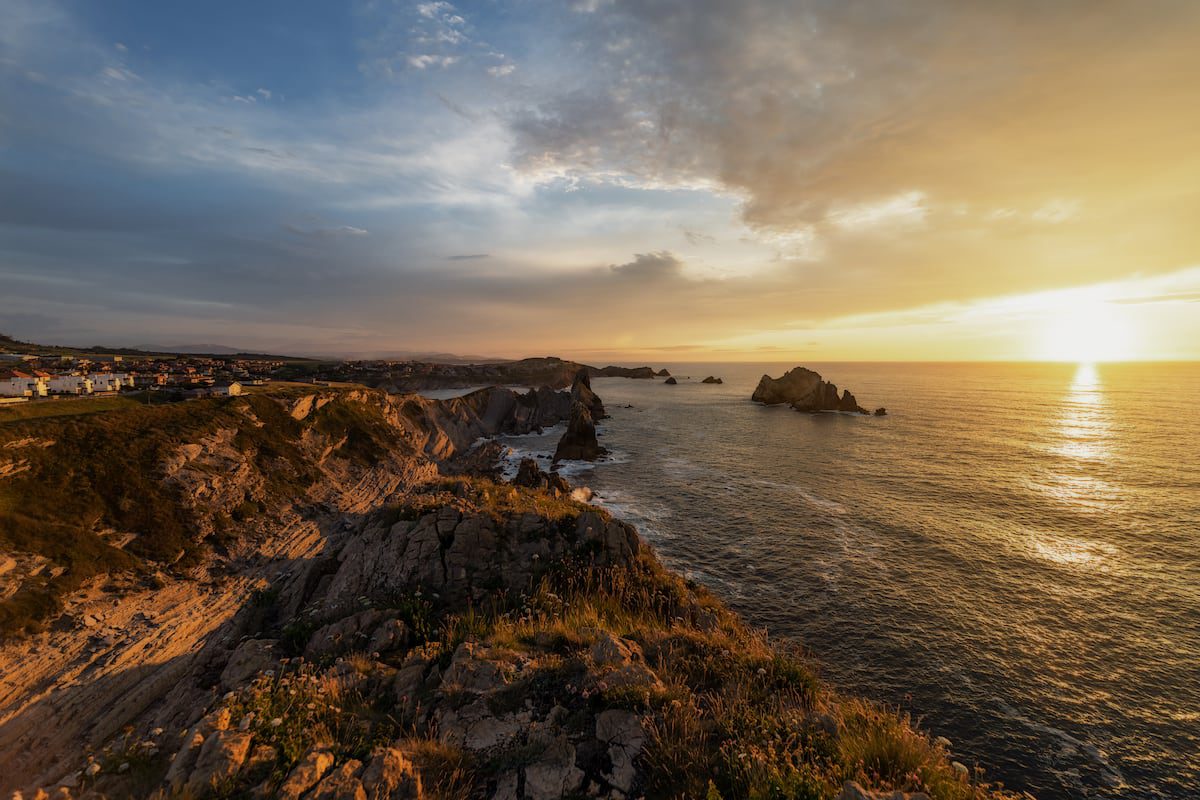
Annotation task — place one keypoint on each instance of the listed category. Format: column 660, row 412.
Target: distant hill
column 10, row 345
column 190, row 349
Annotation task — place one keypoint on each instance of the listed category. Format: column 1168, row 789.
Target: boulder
column 670, row 382
column 804, row 390
column 306, row 774
column 579, row 442
column 554, row 775
column 881, row 412
column 853, row 791
column 390, row 775
column 220, row 758
column 621, row 732
column 349, row 633
column 531, row 476
column 711, row 379
column 342, row 783
column 250, row 658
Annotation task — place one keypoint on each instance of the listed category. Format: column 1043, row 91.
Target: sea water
column 1012, row 554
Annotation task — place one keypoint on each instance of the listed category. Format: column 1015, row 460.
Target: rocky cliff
column 374, row 627
column 804, row 390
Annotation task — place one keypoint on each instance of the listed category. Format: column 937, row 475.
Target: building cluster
column 32, row 377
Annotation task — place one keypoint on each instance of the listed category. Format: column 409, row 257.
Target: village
column 32, row 377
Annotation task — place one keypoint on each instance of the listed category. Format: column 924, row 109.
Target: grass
column 737, row 715
column 67, row 407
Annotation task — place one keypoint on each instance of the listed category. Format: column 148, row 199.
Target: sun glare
column 1087, row 332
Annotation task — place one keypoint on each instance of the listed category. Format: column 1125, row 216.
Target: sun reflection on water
column 1084, row 425
column 1083, row 442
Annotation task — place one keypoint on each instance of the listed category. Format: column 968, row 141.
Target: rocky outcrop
column 531, row 476
column 711, row 379
column 581, row 392
column 854, row 791
column 663, row 373
column 638, row 373
column 459, row 555
column 555, row 373
column 579, row 443
column 804, row 390
column 670, row 381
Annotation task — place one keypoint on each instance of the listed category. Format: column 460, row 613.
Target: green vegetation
column 87, row 480
column 728, row 712
column 72, row 407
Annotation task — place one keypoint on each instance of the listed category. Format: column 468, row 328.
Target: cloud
column 657, row 265
column 430, row 60
column 816, row 160
column 336, row 232
column 918, row 120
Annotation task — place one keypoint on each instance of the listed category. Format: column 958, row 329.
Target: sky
column 613, row 180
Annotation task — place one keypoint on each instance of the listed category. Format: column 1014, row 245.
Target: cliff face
column 804, row 390
column 374, row 628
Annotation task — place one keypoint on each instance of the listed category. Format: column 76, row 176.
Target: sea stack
column 579, row 442
column 711, row 379
column 581, row 392
column 670, row 382
column 804, row 390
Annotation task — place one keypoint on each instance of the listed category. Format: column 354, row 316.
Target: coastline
column 637, row 674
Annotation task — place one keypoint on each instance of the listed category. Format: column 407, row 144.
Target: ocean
column 1012, row 554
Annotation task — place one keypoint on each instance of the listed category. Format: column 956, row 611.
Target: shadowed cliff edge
column 314, row 594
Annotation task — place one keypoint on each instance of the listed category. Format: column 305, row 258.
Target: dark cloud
column 468, row 257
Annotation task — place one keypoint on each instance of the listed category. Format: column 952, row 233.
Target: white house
column 69, row 384
column 27, row 386
column 110, row 381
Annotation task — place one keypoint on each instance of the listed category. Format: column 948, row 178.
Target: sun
column 1087, row 331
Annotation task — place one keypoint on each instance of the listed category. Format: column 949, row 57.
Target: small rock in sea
column 670, row 381
column 881, row 412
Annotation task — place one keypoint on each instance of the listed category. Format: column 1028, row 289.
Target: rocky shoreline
column 406, row 628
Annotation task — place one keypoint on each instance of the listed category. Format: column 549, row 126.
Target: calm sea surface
column 1013, row 554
